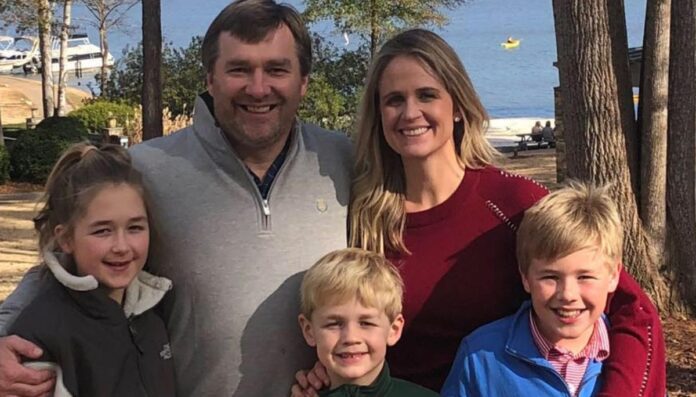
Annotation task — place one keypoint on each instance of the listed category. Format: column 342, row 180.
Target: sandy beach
column 19, row 95
column 17, row 238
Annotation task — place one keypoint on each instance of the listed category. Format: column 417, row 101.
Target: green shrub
column 96, row 115
column 63, row 127
column 35, row 151
column 4, row 165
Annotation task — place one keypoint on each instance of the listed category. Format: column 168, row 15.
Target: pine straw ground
column 17, row 254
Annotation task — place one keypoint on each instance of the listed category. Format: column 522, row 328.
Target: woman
column 536, row 131
column 427, row 196
column 537, row 128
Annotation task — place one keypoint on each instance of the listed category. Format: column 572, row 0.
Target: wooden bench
column 528, row 138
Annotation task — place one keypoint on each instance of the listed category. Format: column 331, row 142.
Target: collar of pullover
column 215, row 142
column 379, row 387
column 143, row 293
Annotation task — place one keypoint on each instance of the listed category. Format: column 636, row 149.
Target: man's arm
column 636, row 365
column 16, row 379
column 25, row 292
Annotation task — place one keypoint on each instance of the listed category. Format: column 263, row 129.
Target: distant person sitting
column 536, row 132
column 548, row 135
column 510, row 39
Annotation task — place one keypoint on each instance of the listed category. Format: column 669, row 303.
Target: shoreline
column 501, row 130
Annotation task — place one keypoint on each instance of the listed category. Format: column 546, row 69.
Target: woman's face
column 417, row 111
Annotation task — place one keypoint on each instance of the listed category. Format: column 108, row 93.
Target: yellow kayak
column 511, row 44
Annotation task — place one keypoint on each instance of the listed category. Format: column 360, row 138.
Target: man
column 244, row 201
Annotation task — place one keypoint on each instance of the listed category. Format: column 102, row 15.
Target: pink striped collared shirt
column 571, row 366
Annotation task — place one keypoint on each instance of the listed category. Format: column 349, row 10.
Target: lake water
column 511, row 83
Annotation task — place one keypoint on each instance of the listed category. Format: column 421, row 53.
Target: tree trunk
column 45, row 18
column 592, row 69
column 104, row 45
column 62, row 72
column 652, row 119
column 152, row 62
column 2, row 134
column 622, row 72
column 374, row 29
column 681, row 152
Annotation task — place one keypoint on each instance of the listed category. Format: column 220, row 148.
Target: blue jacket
column 501, row 359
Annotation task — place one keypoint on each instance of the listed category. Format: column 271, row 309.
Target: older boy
column 351, row 312
column 569, row 249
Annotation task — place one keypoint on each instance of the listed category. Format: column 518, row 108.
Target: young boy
column 351, row 312
column 569, row 249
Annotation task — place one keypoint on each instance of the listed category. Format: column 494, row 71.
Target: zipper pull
column 266, row 207
column 134, row 334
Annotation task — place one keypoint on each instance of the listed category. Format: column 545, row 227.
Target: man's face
column 569, row 294
column 256, row 89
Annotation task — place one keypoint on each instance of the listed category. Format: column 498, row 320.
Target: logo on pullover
column 166, row 352
column 322, row 205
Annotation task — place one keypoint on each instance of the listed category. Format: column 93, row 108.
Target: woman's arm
column 636, row 365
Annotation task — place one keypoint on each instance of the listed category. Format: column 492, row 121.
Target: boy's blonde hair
column 352, row 273
column 575, row 217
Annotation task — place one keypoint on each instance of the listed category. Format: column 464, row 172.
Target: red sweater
column 462, row 273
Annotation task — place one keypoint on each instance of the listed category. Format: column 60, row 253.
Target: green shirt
column 383, row 386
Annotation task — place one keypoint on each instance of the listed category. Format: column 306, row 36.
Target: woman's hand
column 309, row 382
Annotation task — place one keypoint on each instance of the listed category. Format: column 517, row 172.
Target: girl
column 93, row 318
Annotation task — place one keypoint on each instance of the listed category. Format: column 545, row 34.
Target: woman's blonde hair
column 378, row 217
column 352, row 273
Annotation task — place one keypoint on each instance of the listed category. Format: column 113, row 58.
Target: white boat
column 15, row 52
column 82, row 55
column 22, row 54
